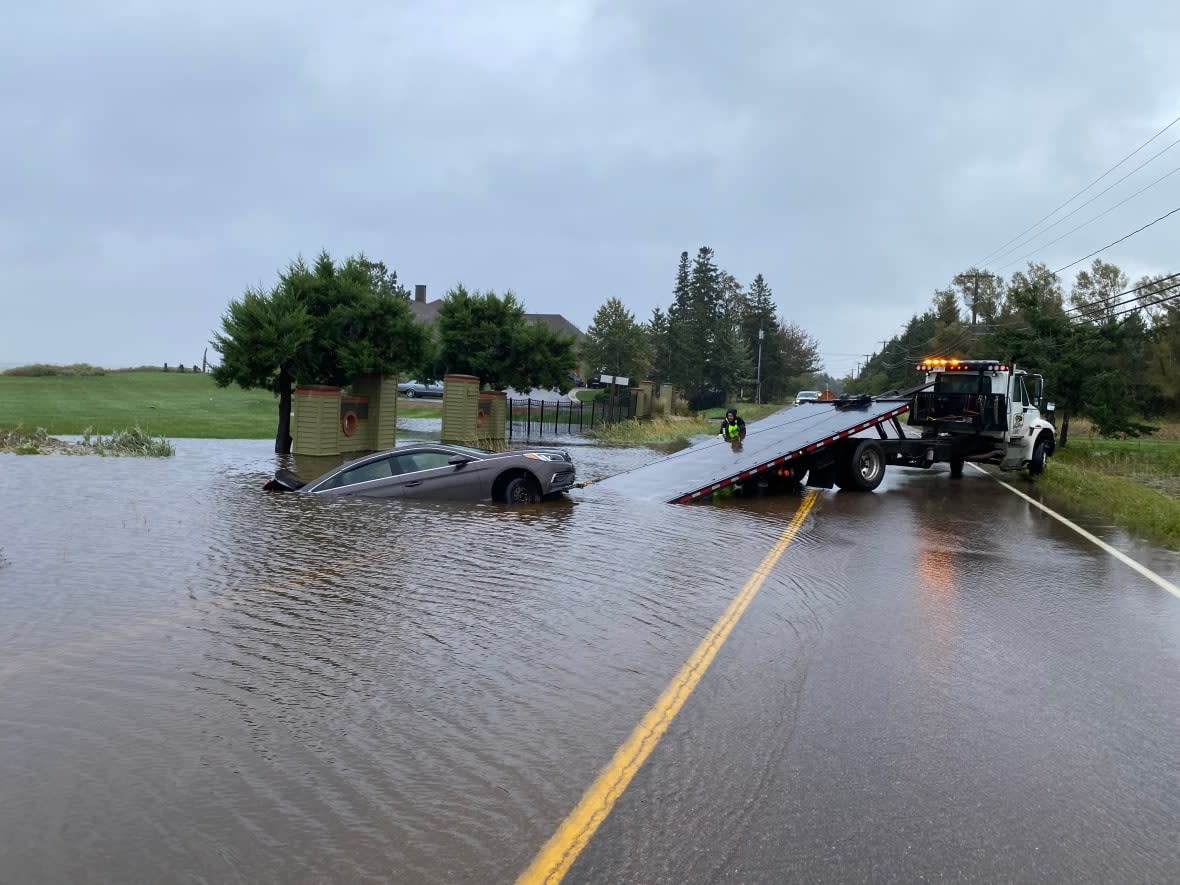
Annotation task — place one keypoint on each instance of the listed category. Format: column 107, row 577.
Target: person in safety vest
column 733, row 428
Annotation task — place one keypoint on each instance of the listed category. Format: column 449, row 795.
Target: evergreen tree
column 682, row 335
column 761, row 334
column 658, row 345
column 320, row 325
column 705, row 296
column 615, row 344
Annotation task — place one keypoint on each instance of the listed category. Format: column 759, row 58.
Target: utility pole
column 758, row 382
column 974, row 302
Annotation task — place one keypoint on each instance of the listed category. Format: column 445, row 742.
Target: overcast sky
column 157, row 159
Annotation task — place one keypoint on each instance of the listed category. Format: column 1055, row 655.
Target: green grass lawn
column 169, row 404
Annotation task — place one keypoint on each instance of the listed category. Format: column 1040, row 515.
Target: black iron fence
column 532, row 418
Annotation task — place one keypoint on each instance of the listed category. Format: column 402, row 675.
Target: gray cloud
column 158, row 160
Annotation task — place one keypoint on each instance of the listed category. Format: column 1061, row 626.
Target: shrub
column 42, row 370
column 136, row 442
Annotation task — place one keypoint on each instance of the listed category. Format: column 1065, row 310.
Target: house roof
column 427, row 312
column 555, row 322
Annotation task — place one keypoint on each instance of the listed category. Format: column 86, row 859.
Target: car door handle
column 416, row 482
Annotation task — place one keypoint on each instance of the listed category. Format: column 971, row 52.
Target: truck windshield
column 956, row 383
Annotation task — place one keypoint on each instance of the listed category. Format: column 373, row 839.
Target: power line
column 1087, row 203
column 1116, row 242
column 1098, row 301
column 1082, row 318
column 981, row 262
column 1155, row 303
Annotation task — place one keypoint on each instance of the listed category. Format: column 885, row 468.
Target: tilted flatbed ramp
column 709, row 466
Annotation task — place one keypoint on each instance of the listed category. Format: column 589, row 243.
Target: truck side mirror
column 1038, row 389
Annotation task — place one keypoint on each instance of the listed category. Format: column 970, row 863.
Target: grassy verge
column 1127, row 501
column 172, row 404
column 655, row 431
column 1133, row 482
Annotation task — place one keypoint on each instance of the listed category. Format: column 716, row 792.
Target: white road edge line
column 1093, row 539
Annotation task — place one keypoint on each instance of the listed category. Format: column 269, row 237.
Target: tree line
column 330, row 322
column 717, row 339
column 1108, row 350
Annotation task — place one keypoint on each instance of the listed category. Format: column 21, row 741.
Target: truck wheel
column 1036, row 464
column 956, row 468
column 867, row 467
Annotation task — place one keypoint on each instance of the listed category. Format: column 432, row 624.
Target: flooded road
column 202, row 682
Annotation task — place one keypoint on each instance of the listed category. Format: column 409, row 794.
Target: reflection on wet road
column 200, row 681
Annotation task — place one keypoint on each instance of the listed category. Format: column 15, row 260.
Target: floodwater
column 201, row 682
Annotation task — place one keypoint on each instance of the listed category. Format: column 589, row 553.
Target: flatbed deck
column 773, row 443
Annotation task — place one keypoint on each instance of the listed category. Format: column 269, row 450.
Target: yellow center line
column 559, row 853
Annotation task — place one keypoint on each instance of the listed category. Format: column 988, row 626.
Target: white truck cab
column 984, row 410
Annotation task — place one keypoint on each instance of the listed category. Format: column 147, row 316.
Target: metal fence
column 533, row 418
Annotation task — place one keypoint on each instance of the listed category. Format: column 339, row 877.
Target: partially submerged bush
column 135, row 442
column 28, row 442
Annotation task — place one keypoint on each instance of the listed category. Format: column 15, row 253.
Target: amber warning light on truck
column 940, row 364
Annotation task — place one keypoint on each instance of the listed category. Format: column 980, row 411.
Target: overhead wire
column 1100, row 301
column 1090, row 221
column 1116, row 242
column 1078, row 209
column 1155, row 303
column 1129, row 306
column 1040, row 221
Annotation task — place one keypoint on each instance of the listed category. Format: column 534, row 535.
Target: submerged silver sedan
column 443, row 471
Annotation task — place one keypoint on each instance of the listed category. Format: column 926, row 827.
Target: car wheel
column 957, row 468
column 410, row 394
column 521, row 490
column 866, row 468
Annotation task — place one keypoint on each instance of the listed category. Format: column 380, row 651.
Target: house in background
column 427, row 312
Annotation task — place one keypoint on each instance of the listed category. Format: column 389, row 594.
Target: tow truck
column 983, row 410
column 966, row 410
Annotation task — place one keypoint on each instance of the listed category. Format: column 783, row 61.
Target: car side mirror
column 459, row 460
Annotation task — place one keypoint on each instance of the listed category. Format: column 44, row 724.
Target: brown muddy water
column 202, row 682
